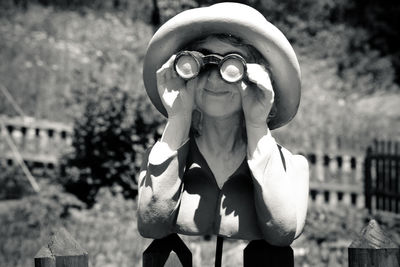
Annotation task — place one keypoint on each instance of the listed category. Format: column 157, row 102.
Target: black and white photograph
column 191, row 133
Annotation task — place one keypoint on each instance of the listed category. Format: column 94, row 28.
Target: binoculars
column 188, row 64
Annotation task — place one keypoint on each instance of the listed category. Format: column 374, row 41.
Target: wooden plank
column 19, row 159
column 30, row 122
column 349, row 188
column 32, row 157
column 396, row 175
column 387, row 194
column 390, row 182
column 373, row 248
column 158, row 253
column 44, row 258
column 260, row 253
column 173, row 260
column 218, row 251
column 378, row 182
column 368, row 180
column 385, row 183
column 61, row 251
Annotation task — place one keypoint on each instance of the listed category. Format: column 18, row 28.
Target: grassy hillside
column 50, row 58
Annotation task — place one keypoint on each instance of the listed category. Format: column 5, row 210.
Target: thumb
column 243, row 89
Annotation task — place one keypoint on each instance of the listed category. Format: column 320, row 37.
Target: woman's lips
column 215, row 93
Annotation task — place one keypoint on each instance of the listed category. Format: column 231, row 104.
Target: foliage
column 26, row 223
column 55, row 51
column 109, row 138
column 135, row 9
column 330, row 230
column 81, row 67
column 380, row 18
column 13, row 183
column 359, row 35
column 108, row 231
column 53, row 54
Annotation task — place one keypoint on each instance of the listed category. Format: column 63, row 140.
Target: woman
column 217, row 169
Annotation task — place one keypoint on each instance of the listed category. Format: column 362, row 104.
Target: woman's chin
column 220, row 112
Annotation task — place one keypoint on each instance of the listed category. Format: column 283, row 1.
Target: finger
column 170, row 62
column 160, row 77
column 168, row 74
column 190, row 84
column 259, row 75
column 166, row 67
column 174, row 74
column 243, row 88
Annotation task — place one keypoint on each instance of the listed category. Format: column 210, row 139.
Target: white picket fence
column 336, row 164
column 39, row 141
column 336, row 167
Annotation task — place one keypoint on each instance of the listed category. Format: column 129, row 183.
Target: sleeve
column 280, row 182
column 160, row 188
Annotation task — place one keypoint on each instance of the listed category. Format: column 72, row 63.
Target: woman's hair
column 253, row 56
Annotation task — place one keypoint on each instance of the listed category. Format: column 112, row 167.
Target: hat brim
column 243, row 22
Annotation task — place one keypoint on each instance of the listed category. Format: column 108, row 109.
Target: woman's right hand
column 176, row 94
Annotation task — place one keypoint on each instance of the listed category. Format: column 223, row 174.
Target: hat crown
column 241, row 21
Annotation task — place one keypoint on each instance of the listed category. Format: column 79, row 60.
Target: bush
column 115, row 129
column 108, row 231
column 25, row 224
column 13, row 183
column 329, row 230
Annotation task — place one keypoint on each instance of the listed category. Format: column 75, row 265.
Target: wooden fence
column 382, row 181
column 40, row 142
column 373, row 247
column 336, row 162
column 336, row 168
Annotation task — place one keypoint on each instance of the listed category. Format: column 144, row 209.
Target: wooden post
column 61, row 251
column 373, row 248
column 168, row 251
column 368, row 181
column 218, row 251
column 260, row 253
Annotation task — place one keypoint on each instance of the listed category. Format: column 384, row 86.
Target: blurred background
column 75, row 120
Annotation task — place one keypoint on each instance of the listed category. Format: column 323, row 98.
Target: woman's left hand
column 257, row 96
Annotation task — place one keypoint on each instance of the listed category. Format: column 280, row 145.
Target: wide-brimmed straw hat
column 241, row 21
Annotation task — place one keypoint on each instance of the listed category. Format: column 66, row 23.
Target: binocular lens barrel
column 231, row 67
column 187, row 67
column 232, row 70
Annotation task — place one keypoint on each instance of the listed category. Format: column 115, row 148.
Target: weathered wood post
column 260, row 253
column 373, row 248
column 168, row 251
column 61, row 251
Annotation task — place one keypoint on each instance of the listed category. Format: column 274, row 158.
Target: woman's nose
column 214, row 76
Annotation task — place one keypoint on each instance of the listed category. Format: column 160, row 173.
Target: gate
column 382, row 181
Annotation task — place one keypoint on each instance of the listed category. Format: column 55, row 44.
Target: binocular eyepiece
column 188, row 64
